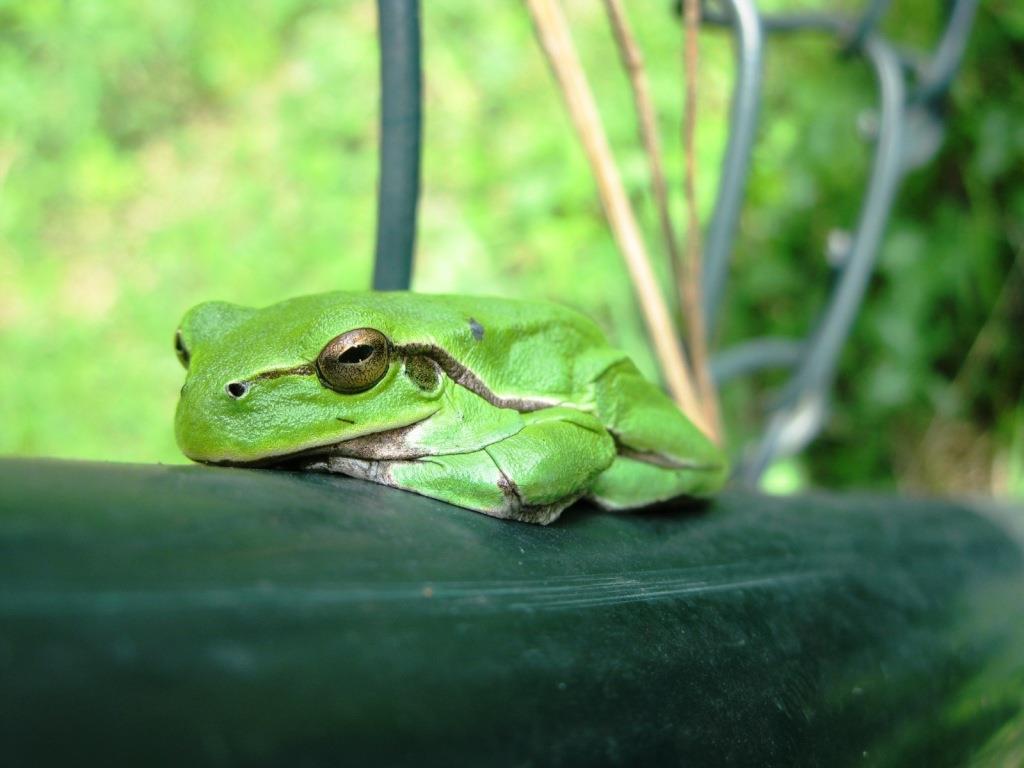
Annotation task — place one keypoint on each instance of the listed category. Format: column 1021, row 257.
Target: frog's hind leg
column 660, row 453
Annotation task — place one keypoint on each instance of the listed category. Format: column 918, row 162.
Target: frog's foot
column 632, row 483
column 531, row 476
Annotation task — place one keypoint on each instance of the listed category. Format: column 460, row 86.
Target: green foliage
column 153, row 155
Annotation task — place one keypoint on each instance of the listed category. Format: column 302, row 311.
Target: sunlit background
column 154, row 155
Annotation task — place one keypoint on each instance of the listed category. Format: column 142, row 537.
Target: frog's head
column 294, row 379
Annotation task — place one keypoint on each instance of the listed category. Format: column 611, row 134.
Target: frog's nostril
column 237, row 389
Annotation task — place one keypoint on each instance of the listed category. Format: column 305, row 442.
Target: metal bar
column 865, row 25
column 800, row 415
column 940, row 70
column 755, row 355
column 736, row 163
column 400, row 131
column 826, row 344
column 807, row 21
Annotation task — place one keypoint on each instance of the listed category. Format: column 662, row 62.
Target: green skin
column 514, row 409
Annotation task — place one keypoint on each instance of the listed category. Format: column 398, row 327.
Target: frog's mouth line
column 391, row 444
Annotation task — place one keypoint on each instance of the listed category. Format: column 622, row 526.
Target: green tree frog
column 514, row 409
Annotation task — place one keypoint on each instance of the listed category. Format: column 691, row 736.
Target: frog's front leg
column 529, row 476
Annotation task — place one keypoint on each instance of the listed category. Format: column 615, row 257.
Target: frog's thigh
column 629, row 484
column 555, row 458
column 644, row 419
column 531, row 476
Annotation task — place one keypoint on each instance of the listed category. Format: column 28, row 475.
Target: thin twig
column 633, row 63
column 689, row 288
column 553, row 33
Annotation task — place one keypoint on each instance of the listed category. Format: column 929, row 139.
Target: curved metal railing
column 911, row 87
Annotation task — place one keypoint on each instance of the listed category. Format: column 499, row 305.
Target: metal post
column 802, row 410
column 736, row 165
column 944, row 63
column 400, row 130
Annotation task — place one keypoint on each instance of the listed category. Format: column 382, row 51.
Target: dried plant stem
column 633, row 63
column 981, row 348
column 553, row 33
column 689, row 285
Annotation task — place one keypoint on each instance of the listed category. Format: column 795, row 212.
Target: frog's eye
column 354, row 361
column 181, row 350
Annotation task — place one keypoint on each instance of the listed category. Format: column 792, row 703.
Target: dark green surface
column 187, row 615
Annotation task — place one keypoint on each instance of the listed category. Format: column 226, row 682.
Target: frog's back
column 537, row 350
column 519, row 349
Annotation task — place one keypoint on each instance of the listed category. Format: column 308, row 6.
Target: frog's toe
column 631, row 483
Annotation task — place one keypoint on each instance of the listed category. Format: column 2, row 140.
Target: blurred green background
column 154, row 155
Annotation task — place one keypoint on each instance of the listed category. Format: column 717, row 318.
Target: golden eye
column 354, row 361
column 181, row 350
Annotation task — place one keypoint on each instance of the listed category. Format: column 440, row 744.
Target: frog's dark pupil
column 356, row 354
